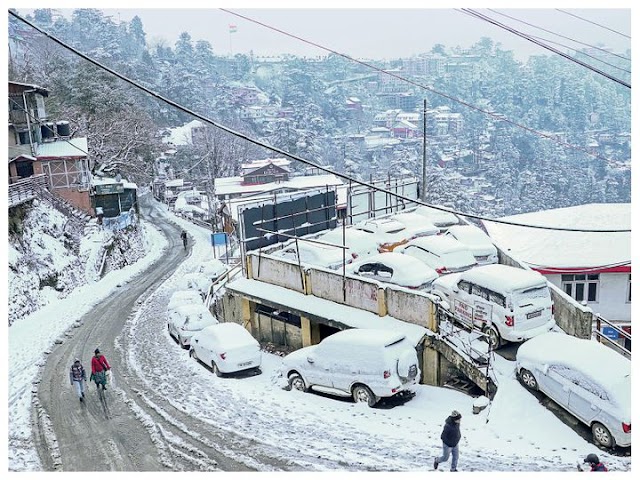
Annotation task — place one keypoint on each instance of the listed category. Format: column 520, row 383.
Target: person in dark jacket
column 595, row 463
column 450, row 438
column 78, row 377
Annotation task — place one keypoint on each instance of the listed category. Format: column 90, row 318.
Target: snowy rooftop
column 108, row 181
column 182, row 135
column 281, row 162
column 233, row 185
column 557, row 249
column 352, row 317
column 73, row 147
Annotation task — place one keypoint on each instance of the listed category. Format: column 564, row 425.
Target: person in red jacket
column 99, row 368
column 595, row 463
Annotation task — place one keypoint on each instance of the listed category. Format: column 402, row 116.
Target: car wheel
column 215, row 369
column 363, row 394
column 602, row 435
column 296, row 382
column 492, row 337
column 528, row 379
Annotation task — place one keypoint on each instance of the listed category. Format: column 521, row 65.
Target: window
column 582, row 287
column 479, row 291
column 497, row 298
column 464, row 286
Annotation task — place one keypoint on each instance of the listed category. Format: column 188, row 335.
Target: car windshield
column 524, row 297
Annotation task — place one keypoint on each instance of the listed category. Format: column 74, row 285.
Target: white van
column 506, row 303
column 367, row 364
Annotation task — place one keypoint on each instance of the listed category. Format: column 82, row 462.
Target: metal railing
column 26, row 189
column 597, row 332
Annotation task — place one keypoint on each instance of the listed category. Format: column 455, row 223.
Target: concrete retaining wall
column 361, row 294
column 411, row 307
column 276, row 271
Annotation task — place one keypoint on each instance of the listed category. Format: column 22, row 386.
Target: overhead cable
column 594, row 23
column 285, row 153
column 485, row 18
column 495, row 115
column 559, row 35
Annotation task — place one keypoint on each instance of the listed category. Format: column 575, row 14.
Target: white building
column 593, row 268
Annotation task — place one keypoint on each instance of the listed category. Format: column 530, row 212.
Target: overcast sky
column 366, row 33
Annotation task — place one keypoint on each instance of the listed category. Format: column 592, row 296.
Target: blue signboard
column 218, row 238
column 610, row 332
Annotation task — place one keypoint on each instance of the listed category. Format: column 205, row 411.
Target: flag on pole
column 233, row 29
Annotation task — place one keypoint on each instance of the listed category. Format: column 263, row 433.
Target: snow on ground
column 515, row 433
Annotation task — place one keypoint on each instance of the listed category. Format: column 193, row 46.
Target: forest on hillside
column 528, row 172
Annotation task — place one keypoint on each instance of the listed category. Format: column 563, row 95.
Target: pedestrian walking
column 595, row 464
column 78, row 378
column 183, row 236
column 450, row 438
column 99, row 367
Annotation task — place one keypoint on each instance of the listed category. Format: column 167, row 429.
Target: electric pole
column 423, row 194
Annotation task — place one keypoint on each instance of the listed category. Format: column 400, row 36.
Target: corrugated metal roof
column 75, row 147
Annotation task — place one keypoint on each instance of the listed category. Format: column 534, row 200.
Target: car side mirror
column 455, row 289
column 310, row 359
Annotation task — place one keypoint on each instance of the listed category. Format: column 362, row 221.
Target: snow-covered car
column 196, row 281
column 589, row 380
column 393, row 267
column 444, row 254
column 475, row 240
column 185, row 320
column 326, row 256
column 389, row 232
column 367, row 364
column 226, row 348
column 419, row 224
column 360, row 243
column 183, row 297
column 439, row 218
column 506, row 303
column 212, row 269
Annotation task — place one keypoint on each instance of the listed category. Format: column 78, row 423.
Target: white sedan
column 475, row 240
column 226, row 348
column 186, row 320
column 212, row 269
column 396, row 268
column 439, row 218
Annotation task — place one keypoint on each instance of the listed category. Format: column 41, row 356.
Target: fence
column 26, row 189
column 120, row 222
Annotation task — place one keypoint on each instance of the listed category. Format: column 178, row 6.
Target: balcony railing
column 26, row 189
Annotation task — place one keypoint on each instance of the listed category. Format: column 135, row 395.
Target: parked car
column 360, row 243
column 392, row 267
column 366, row 364
column 506, row 303
column 589, row 380
column 226, row 348
column 326, row 256
column 420, row 225
column 184, row 297
column 196, row 281
column 390, row 233
column 439, row 218
column 475, row 240
column 443, row 254
column 185, row 320
column 212, row 269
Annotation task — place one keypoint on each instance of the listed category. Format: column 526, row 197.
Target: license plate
column 534, row 314
column 244, row 364
column 482, row 258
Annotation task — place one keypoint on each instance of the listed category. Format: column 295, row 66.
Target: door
column 585, row 400
column 555, row 384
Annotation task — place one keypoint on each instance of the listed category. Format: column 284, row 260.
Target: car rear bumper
column 522, row 335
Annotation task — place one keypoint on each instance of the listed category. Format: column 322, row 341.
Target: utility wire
column 485, row 18
column 495, row 115
column 559, row 35
column 287, row 154
column 581, row 53
column 594, row 23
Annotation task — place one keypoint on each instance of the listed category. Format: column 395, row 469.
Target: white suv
column 366, row 364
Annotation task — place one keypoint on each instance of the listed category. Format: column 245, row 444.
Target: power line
column 582, row 53
column 559, row 35
column 485, row 18
column 287, row 154
column 497, row 116
column 594, row 23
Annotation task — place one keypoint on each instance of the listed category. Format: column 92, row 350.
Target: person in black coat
column 450, row 438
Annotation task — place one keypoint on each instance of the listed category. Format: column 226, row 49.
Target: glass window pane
column 567, row 278
column 580, row 277
column 568, row 289
column 579, row 292
column 594, row 277
column 593, row 289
